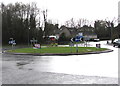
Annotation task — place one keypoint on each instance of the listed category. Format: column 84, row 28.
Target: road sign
column 37, row 45
column 77, row 38
column 12, row 42
column 80, row 34
column 33, row 40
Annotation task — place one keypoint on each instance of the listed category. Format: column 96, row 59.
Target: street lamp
column 28, row 35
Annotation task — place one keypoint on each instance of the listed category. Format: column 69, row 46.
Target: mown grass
column 57, row 50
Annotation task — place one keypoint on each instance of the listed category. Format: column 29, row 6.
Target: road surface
column 76, row 69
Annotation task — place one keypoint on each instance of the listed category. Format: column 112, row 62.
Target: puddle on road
column 22, row 63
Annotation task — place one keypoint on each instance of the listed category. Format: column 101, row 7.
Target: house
column 69, row 32
column 65, row 30
column 90, row 35
column 73, row 32
column 87, row 32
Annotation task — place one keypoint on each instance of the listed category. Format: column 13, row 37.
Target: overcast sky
column 63, row 10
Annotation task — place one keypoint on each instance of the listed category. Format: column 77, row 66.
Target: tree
column 19, row 22
column 77, row 24
column 104, row 29
column 63, row 39
column 46, row 29
column 40, row 35
column 70, row 23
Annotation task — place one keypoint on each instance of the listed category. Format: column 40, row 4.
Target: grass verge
column 55, row 50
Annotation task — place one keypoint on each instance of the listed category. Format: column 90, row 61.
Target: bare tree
column 45, row 15
column 67, row 23
column 70, row 23
column 79, row 23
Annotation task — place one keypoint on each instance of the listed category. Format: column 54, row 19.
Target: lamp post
column 28, row 35
column 112, row 26
column 11, row 42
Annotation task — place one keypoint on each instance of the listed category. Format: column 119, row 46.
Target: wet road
column 77, row 69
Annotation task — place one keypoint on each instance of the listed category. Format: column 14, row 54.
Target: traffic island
column 58, row 51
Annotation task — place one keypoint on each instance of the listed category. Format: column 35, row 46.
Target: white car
column 116, row 40
column 96, row 39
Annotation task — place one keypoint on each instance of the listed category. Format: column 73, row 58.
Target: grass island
column 57, row 50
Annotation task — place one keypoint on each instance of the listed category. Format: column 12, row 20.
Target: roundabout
column 72, row 69
column 59, row 52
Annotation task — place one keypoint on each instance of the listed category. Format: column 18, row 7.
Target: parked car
column 116, row 42
column 96, row 40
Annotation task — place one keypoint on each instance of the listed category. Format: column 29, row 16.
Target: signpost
column 77, row 39
column 86, row 39
column 76, row 48
column 33, row 41
column 12, row 42
column 71, row 45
